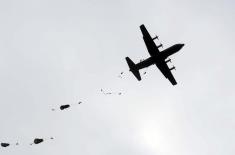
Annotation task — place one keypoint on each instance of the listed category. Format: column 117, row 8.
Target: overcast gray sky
column 55, row 52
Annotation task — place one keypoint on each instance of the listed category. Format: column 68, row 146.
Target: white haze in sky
column 55, row 52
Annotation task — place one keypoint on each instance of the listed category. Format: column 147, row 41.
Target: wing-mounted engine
column 160, row 46
column 156, row 37
column 173, row 68
column 169, row 60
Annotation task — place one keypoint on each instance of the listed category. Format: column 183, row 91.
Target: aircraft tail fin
column 133, row 68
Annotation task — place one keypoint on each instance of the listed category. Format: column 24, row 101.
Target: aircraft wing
column 151, row 46
column 162, row 66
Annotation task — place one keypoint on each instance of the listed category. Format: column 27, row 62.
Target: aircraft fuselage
column 160, row 56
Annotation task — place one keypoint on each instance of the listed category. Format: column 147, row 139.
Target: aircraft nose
column 181, row 45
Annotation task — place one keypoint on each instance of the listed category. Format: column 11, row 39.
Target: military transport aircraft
column 156, row 57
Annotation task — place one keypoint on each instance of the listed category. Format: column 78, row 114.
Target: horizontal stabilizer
column 133, row 68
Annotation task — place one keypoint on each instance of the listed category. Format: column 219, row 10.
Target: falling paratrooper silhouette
column 39, row 140
column 110, row 93
column 62, row 107
column 121, row 75
column 65, row 106
column 5, row 144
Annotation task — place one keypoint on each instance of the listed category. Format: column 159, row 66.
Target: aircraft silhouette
column 156, row 57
